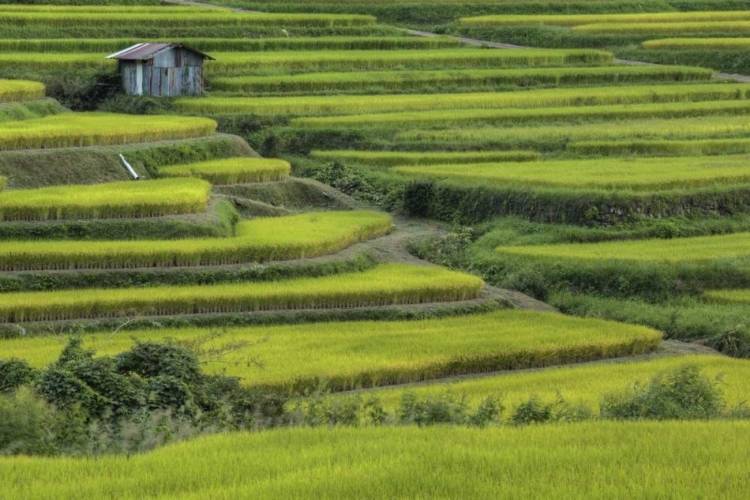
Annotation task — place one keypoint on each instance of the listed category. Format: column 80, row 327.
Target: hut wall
column 172, row 73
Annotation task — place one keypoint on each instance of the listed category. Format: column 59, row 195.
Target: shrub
column 684, row 394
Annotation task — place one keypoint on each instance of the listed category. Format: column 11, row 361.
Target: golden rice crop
column 93, row 129
column 557, row 136
column 107, row 45
column 728, row 27
column 609, row 173
column 111, row 200
column 376, row 353
column 20, row 90
column 232, row 170
column 582, row 384
column 386, row 284
column 359, row 104
column 697, row 44
column 509, row 117
column 701, row 248
column 736, row 297
column 109, row 9
column 596, row 460
column 257, row 240
column 396, row 158
column 695, row 147
column 237, row 63
column 631, row 19
column 44, row 61
column 180, row 19
column 416, row 80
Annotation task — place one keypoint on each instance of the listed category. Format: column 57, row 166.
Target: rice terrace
column 335, row 249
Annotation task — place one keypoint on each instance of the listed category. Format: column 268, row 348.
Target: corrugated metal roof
column 146, row 51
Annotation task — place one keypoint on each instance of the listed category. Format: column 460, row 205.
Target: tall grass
column 20, row 90
column 697, row 44
column 95, row 129
column 632, row 19
column 508, row 117
column 231, row 170
column 105, row 201
column 257, row 240
column 234, row 63
column 372, row 354
column 400, row 81
column 672, row 251
column 395, row 158
column 625, row 173
column 102, row 45
column 598, row 460
column 359, row 104
column 387, row 284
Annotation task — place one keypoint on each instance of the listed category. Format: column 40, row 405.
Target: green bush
column 14, row 373
column 25, row 425
column 685, row 394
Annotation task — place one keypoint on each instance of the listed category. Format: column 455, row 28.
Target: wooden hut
column 161, row 69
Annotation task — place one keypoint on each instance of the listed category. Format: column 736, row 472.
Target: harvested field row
column 102, row 45
column 257, row 240
column 633, row 20
column 20, row 90
column 209, row 18
column 106, row 201
column 554, row 137
column 98, row 129
column 387, row 159
column 372, row 354
column 625, row 173
column 584, row 384
column 418, row 80
column 509, row 117
column 359, row 104
column 387, row 284
column 686, row 460
column 672, row 251
column 231, row 170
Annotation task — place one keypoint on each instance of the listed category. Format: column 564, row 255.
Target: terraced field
column 280, row 234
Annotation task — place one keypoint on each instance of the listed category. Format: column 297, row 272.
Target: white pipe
column 129, row 168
